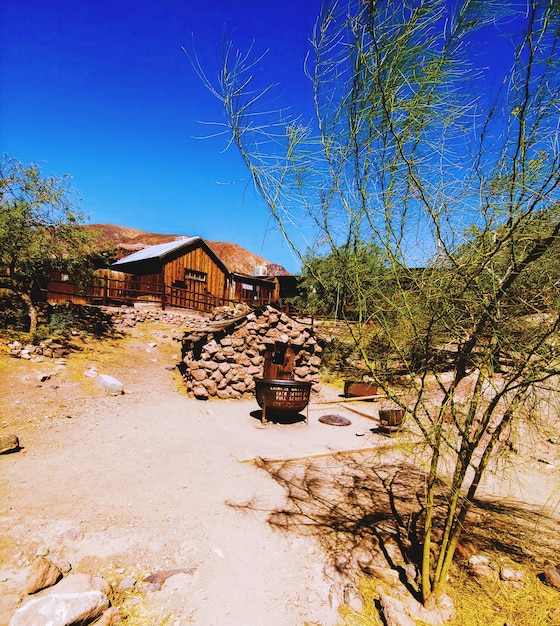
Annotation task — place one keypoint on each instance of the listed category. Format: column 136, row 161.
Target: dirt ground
column 130, row 485
column 143, row 482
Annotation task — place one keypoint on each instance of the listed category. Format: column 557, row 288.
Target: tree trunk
column 31, row 312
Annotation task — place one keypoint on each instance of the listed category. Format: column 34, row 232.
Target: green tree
column 39, row 232
column 340, row 283
column 415, row 149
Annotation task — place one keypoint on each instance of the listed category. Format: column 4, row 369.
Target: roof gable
column 159, row 251
column 150, row 259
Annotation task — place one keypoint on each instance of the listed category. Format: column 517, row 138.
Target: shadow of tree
column 360, row 505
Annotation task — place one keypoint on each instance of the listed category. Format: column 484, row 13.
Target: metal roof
column 154, row 252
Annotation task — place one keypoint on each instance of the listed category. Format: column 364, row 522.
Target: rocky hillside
column 126, row 240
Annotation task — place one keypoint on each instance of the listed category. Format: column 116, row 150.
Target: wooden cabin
column 184, row 272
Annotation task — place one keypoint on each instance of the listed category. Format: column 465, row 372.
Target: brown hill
column 126, row 240
column 111, row 235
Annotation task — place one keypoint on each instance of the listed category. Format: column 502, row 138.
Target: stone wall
column 223, row 359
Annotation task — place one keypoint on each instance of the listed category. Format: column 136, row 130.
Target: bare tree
column 454, row 174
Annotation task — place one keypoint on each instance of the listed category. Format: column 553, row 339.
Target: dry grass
column 496, row 602
column 131, row 604
column 477, row 603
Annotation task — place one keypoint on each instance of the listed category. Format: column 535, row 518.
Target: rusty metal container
column 281, row 397
column 358, row 388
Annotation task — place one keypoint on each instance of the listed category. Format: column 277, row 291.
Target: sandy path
column 141, row 482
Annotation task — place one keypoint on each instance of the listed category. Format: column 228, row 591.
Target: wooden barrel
column 391, row 420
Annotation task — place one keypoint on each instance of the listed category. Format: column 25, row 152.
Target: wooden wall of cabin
column 198, row 273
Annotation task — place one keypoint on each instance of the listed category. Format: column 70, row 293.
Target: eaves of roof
column 253, row 278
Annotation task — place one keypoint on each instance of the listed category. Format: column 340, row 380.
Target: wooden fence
column 116, row 292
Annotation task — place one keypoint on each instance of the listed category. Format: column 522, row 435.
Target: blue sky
column 103, row 91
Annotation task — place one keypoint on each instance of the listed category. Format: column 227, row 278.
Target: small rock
column 386, row 574
column 394, row 612
column 81, row 583
column 464, row 550
column 72, row 534
column 410, row 573
column 514, row 584
column 111, row 617
column 156, row 580
column 126, row 584
column 111, row 386
column 9, row 443
column 477, row 559
column 353, row 599
column 64, row 566
column 552, row 577
column 42, row 574
column 91, row 372
column 507, row 573
column 482, row 571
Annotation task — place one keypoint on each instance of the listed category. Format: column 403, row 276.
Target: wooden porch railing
column 116, row 292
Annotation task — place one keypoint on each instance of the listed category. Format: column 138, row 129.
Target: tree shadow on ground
column 360, row 505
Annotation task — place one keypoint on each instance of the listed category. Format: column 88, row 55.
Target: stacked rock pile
column 223, row 358
column 129, row 316
column 46, row 348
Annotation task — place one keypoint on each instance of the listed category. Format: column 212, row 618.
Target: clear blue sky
column 102, row 90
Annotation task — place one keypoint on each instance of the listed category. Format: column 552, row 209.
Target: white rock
column 477, row 559
column 110, row 385
column 61, row 609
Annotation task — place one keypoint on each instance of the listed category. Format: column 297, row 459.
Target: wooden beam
column 377, row 396
column 260, row 461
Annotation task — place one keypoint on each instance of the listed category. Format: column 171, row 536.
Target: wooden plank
column 260, row 460
column 371, row 417
column 377, row 396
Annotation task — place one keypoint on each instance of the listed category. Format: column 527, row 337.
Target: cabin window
column 194, row 275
